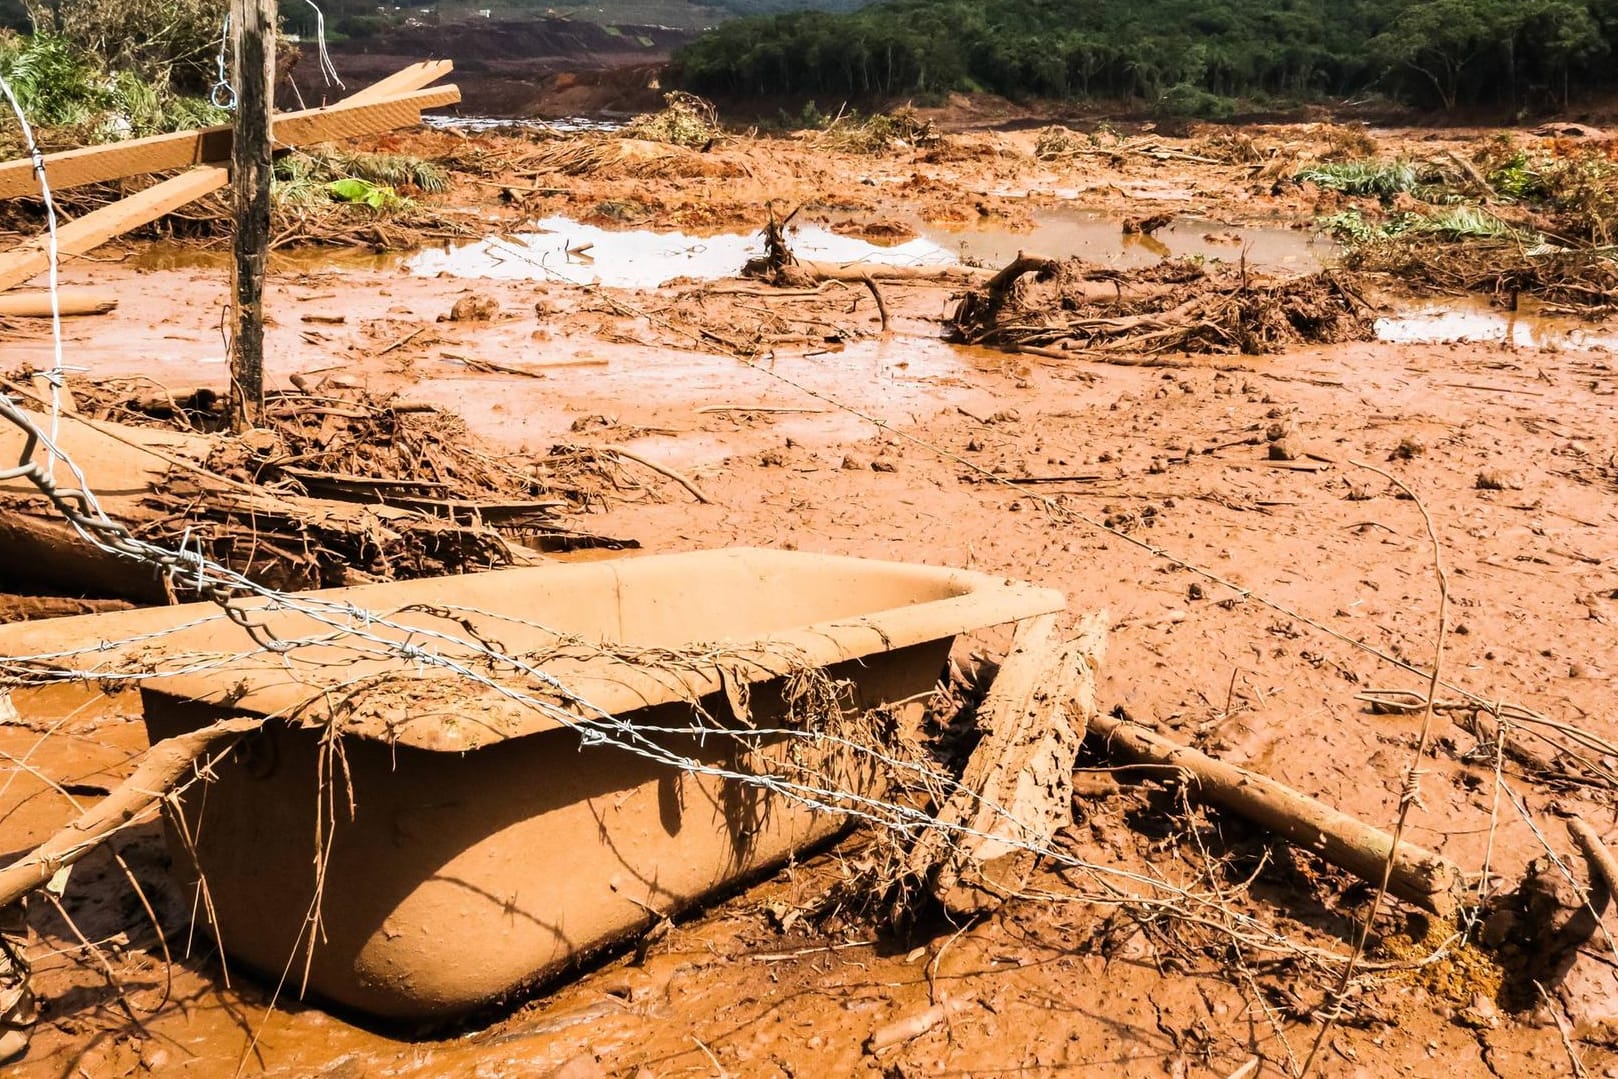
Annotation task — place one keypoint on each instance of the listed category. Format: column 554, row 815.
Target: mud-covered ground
column 1251, row 600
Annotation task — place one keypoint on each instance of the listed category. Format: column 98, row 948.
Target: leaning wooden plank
column 36, row 303
column 1418, row 875
column 413, row 77
column 1017, row 788
column 182, row 149
column 97, row 227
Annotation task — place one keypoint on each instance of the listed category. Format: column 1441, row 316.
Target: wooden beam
column 414, row 77
column 182, row 149
column 97, row 227
column 252, row 36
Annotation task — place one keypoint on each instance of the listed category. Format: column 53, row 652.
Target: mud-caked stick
column 164, row 766
column 1419, row 876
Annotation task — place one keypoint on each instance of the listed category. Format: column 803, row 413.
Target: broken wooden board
column 1017, row 789
column 31, row 258
column 201, row 146
column 414, row 77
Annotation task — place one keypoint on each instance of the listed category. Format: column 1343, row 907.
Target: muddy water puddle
column 562, row 249
column 641, row 258
column 566, row 125
column 1096, row 237
column 1474, row 319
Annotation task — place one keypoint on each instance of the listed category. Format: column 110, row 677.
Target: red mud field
column 1246, row 521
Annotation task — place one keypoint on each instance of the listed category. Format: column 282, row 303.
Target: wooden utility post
column 252, row 37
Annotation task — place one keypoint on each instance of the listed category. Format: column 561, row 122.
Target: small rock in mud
column 1481, row 1014
column 883, row 464
column 474, row 307
column 1493, row 480
column 1145, row 226
column 854, row 464
column 1283, row 450
column 881, row 233
column 580, row 1067
column 772, row 459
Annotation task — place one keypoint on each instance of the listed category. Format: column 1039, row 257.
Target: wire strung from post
column 54, row 377
column 223, row 94
column 328, row 70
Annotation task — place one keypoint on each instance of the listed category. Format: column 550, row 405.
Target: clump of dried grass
column 878, row 133
column 1056, row 142
column 1345, row 142
column 1232, row 148
column 611, row 157
column 684, row 120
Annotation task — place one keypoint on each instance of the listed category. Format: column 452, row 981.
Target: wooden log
column 163, row 765
column 17, row 608
column 39, row 550
column 252, row 34
column 1603, row 866
column 97, row 227
column 1419, row 876
column 36, row 303
column 1017, row 789
column 858, row 273
column 208, row 145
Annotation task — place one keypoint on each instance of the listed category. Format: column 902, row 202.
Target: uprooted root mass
column 1173, row 306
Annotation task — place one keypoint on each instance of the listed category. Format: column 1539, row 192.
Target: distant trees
column 1432, row 52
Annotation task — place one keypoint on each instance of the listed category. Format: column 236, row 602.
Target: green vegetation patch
column 1191, row 58
column 71, row 101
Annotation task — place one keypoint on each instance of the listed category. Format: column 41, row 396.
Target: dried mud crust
column 1003, row 463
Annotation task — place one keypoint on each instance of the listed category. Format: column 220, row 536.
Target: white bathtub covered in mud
column 467, row 840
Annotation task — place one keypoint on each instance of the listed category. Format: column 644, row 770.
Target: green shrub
column 1383, row 179
column 69, row 100
column 1188, row 101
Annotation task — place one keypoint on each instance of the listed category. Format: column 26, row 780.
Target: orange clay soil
column 1511, row 449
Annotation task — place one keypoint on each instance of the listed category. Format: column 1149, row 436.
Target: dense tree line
column 1429, row 52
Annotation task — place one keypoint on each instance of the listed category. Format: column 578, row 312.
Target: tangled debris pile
column 1537, row 220
column 1580, row 281
column 340, row 487
column 1172, row 306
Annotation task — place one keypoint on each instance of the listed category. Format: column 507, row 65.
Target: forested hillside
column 1194, row 55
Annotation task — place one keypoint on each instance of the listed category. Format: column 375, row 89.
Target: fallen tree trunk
column 1017, row 789
column 1419, row 876
column 164, row 765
